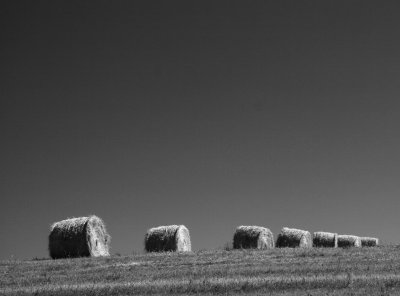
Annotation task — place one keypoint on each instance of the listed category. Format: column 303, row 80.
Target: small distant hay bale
column 369, row 241
column 294, row 238
column 325, row 239
column 348, row 241
column 79, row 237
column 253, row 237
column 172, row 238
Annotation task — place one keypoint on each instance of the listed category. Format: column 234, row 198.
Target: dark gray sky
column 211, row 114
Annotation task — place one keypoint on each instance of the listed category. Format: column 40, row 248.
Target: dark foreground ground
column 367, row 271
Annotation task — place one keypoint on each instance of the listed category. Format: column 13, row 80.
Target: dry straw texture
column 369, row 241
column 172, row 238
column 325, row 239
column 79, row 237
column 293, row 238
column 347, row 241
column 253, row 237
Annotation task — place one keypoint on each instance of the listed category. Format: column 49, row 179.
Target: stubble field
column 365, row 271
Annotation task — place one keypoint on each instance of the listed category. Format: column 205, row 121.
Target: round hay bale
column 79, row 237
column 253, row 237
column 369, row 241
column 171, row 238
column 325, row 239
column 294, row 238
column 347, row 241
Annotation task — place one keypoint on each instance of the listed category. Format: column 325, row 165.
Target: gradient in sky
column 211, row 114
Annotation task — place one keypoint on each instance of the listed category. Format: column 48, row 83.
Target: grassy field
column 366, row 271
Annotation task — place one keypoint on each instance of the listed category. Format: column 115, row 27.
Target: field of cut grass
column 366, row 271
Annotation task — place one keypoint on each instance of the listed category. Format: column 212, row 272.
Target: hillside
column 372, row 271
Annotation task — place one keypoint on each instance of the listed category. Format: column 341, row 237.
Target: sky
column 211, row 114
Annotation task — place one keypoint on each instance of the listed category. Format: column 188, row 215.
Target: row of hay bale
column 247, row 237
column 257, row 237
column 333, row 240
column 87, row 236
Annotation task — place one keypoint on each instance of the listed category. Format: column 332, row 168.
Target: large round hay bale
column 171, row 238
column 253, row 237
column 347, row 241
column 369, row 241
column 293, row 238
column 325, row 239
column 79, row 237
